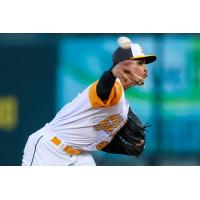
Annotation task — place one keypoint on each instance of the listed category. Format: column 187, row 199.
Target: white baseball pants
column 39, row 150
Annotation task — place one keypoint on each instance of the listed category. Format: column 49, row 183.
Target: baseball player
column 99, row 118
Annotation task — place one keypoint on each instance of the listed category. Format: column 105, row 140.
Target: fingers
column 122, row 73
column 140, row 143
column 125, row 73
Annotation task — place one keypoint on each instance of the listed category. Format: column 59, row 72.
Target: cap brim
column 147, row 58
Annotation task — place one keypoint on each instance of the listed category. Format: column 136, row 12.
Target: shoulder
column 114, row 98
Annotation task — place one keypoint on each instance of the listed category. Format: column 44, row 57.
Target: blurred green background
column 39, row 73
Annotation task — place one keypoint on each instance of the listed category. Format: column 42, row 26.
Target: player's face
column 137, row 72
column 139, row 68
column 131, row 72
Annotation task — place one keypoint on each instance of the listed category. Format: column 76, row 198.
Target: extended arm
column 105, row 85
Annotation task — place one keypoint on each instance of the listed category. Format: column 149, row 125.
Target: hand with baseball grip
column 124, row 72
column 130, row 73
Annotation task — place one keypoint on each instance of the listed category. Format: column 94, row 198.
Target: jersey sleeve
column 105, row 84
column 113, row 99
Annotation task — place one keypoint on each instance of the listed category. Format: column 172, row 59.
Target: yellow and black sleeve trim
column 113, row 99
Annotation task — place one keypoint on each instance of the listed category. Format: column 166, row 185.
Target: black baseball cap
column 134, row 52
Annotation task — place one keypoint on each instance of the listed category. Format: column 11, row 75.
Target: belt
column 68, row 149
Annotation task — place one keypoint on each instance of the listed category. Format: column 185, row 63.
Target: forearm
column 105, row 85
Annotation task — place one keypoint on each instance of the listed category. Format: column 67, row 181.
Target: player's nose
column 145, row 69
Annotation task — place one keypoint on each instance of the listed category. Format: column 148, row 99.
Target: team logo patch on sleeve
column 111, row 124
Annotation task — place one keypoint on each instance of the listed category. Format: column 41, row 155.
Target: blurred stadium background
column 39, row 73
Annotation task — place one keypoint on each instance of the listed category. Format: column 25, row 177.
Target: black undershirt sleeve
column 105, row 84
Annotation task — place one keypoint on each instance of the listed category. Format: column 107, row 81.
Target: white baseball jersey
column 87, row 122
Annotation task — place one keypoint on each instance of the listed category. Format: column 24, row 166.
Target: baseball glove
column 130, row 140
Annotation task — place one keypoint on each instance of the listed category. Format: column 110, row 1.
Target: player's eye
column 141, row 62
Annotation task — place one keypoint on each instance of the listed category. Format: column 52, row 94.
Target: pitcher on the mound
column 99, row 118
